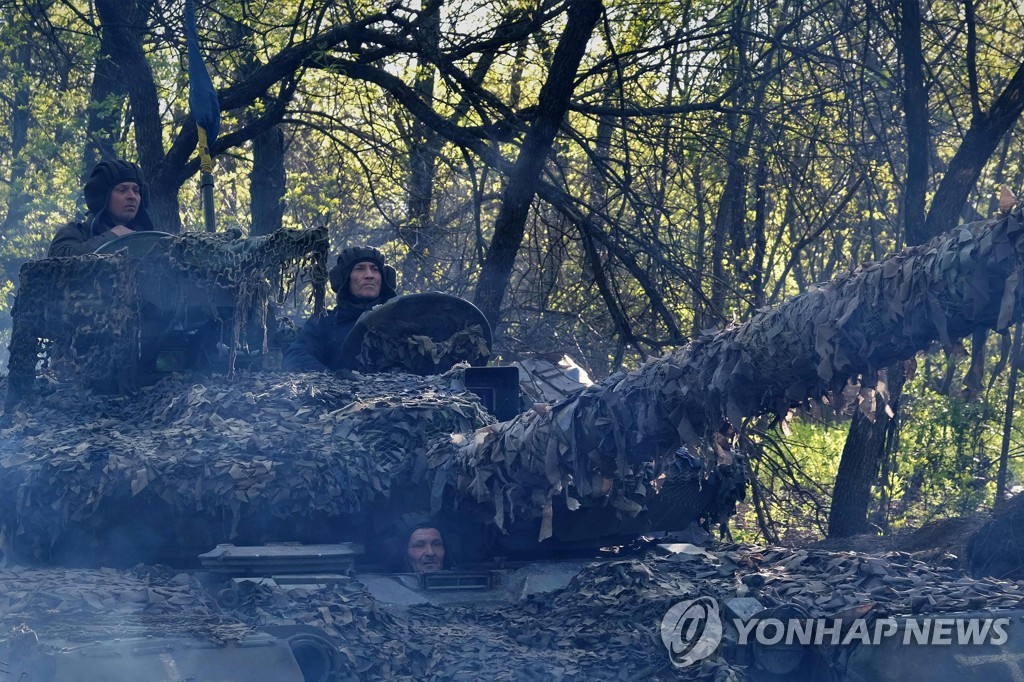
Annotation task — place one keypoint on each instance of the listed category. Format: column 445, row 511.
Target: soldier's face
column 365, row 280
column 426, row 550
column 123, row 204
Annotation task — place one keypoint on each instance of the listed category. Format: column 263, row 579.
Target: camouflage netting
column 87, row 309
column 81, row 605
column 91, row 317
column 529, row 464
column 227, row 260
column 284, row 445
column 70, row 606
column 806, row 348
column 254, row 271
column 421, row 354
column 603, row 625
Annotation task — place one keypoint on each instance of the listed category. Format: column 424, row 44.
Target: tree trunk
column 915, row 109
column 268, row 178
column 977, row 147
column 125, row 24
column 729, row 220
column 267, row 182
column 18, row 198
column 553, row 102
column 702, row 318
column 106, row 102
column 866, row 447
column 1011, row 403
column 756, row 267
column 420, row 232
column 981, row 140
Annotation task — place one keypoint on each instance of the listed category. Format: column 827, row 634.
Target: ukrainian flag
column 202, row 98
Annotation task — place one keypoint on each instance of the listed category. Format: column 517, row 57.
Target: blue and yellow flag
column 202, row 98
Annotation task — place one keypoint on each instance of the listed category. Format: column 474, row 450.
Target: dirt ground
column 938, row 541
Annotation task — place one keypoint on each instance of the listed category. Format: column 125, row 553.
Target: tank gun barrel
column 857, row 324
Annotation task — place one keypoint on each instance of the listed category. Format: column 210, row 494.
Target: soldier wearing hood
column 117, row 197
column 416, row 543
column 362, row 280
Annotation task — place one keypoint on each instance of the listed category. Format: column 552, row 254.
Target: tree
column 866, row 445
column 553, row 102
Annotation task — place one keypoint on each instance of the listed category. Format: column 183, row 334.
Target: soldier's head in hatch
column 117, row 192
column 425, row 550
column 361, row 275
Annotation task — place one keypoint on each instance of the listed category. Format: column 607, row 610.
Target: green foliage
column 793, row 476
column 948, row 452
column 943, row 463
column 670, row 98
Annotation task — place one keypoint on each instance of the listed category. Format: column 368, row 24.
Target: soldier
column 117, row 197
column 362, row 280
column 424, row 552
column 413, row 543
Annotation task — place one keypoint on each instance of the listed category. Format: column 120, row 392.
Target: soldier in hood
column 362, row 280
column 416, row 543
column 117, row 197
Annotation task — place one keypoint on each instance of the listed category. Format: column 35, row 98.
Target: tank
column 116, row 464
column 146, row 423
column 186, row 437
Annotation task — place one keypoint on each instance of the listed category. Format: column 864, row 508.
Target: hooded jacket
column 78, row 238
column 318, row 344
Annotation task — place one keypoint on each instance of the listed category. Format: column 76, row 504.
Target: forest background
column 604, row 179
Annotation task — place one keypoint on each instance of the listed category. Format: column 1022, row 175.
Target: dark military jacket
column 79, row 238
column 318, row 345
